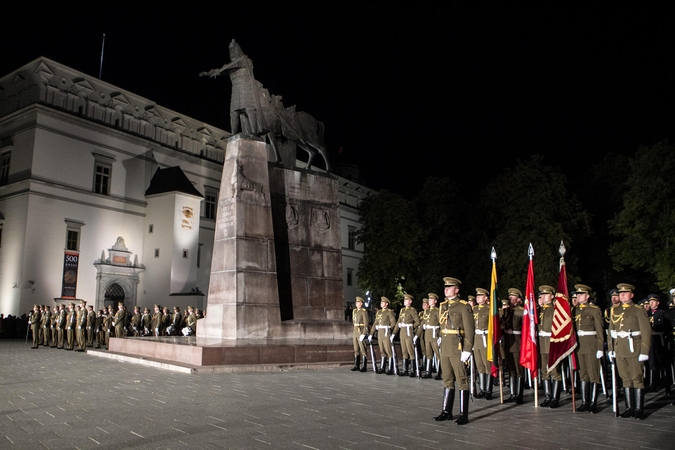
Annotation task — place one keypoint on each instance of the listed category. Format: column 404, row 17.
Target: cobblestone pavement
column 59, row 399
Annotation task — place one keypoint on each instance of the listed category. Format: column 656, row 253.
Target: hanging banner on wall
column 69, row 286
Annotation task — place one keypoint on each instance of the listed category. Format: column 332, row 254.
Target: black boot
column 555, row 394
column 448, row 400
column 547, row 393
column 639, row 404
column 357, row 363
column 427, row 372
column 364, row 365
column 390, row 371
column 382, row 366
column 439, row 373
column 481, row 386
column 404, row 372
column 463, row 408
column 593, row 406
column 413, row 368
column 585, row 389
column 628, row 395
column 513, row 386
column 488, row 394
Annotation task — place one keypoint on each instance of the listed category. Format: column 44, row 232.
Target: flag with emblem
column 563, row 339
column 528, row 345
column 494, row 327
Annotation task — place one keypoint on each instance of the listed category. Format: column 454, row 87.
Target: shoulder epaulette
column 591, row 305
column 464, row 302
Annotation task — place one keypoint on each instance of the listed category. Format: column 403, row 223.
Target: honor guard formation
column 77, row 327
column 622, row 351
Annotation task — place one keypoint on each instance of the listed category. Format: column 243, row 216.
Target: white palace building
column 106, row 196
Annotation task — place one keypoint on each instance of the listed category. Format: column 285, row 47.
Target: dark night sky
column 408, row 92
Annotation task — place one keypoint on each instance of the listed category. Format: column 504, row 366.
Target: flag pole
column 493, row 257
column 535, row 384
column 562, row 250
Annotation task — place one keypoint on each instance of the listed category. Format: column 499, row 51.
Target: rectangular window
column 185, row 253
column 350, row 277
column 73, row 233
column 210, row 203
column 351, row 237
column 156, row 253
column 4, row 168
column 151, row 228
column 102, row 178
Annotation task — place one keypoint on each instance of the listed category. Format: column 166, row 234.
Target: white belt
column 406, row 325
column 586, row 333
column 481, row 331
column 516, row 332
column 544, row 334
column 624, row 334
column 430, row 327
column 383, row 327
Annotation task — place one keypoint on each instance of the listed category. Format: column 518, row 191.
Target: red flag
column 563, row 339
column 528, row 345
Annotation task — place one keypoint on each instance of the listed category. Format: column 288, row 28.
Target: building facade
column 106, row 196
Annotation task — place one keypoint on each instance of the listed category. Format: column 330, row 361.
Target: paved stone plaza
column 59, row 399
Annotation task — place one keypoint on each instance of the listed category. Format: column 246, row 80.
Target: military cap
column 120, row 303
column 425, row 300
column 582, row 288
column 46, row 306
column 176, row 308
column 625, row 287
column 157, row 306
column 481, row 291
column 471, row 298
column 408, row 297
column 654, row 297
column 190, row 307
column 432, row 295
column 516, row 292
column 359, row 300
column 36, row 306
column 613, row 292
column 546, row 289
column 643, row 301
column 385, row 299
column 574, row 294
column 82, row 302
column 450, row 281
column 71, row 304
column 146, row 310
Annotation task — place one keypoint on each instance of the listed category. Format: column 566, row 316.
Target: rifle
column 372, row 356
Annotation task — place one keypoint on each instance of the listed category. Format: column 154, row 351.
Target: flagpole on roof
column 100, row 67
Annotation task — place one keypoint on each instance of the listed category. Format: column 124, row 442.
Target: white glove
column 611, row 355
column 362, row 337
column 438, row 341
column 643, row 358
column 370, row 338
column 415, row 339
column 465, row 356
column 599, row 354
column 391, row 338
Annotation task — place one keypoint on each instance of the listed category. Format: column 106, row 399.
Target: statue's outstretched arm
column 229, row 67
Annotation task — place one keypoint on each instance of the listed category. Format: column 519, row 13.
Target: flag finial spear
column 562, row 250
column 493, row 254
column 530, row 251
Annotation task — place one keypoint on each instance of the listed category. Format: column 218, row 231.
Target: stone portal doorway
column 114, row 293
column 117, row 277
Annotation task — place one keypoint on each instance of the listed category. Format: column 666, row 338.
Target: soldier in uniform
column 420, row 336
column 60, row 326
column 71, row 324
column 191, row 322
column 156, row 321
column 589, row 327
column 120, row 321
column 457, row 336
column 110, row 319
column 136, row 321
column 35, row 320
column 481, row 316
column 431, row 327
column 407, row 324
column 629, row 344
column 91, row 321
column 360, row 321
column 384, row 321
column 513, row 329
column 98, row 329
column 145, row 322
column 166, row 321
column 658, row 357
column 46, row 325
column 81, row 327
column 551, row 393
column 52, row 327
column 176, row 321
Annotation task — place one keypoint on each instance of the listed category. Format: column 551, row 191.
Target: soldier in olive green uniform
column 481, row 316
column 420, row 335
column 457, row 337
column 34, row 322
column 120, row 321
column 71, row 324
column 546, row 313
column 98, row 329
column 156, row 321
column 145, row 322
column 513, row 325
column 431, row 327
column 136, row 321
column 407, row 324
column 81, row 319
column 360, row 321
column 52, row 326
column 61, row 326
column 91, row 321
column 384, row 322
column 191, row 322
column 46, row 326
column 588, row 325
column 629, row 343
